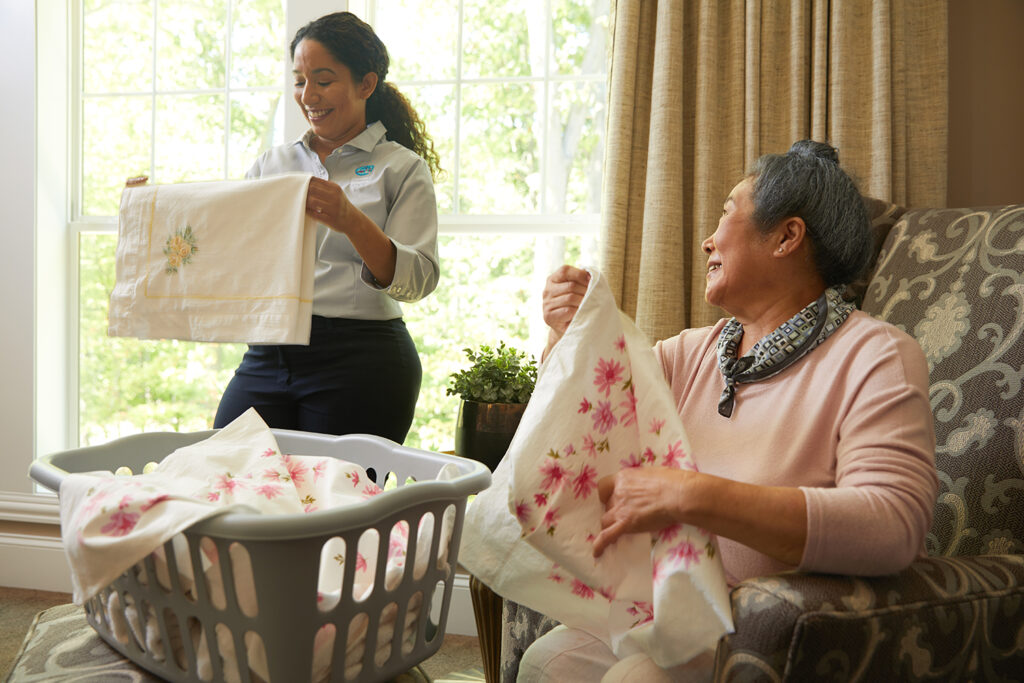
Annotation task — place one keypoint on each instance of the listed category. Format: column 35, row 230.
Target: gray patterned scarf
column 785, row 345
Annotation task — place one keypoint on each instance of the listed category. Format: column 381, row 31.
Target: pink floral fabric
column 601, row 404
column 108, row 523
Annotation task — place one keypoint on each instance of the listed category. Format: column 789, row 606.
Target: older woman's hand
column 563, row 292
column 640, row 499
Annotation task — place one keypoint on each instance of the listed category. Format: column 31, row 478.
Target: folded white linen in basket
column 109, row 523
column 601, row 404
column 228, row 261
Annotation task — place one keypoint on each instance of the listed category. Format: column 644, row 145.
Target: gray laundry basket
column 284, row 552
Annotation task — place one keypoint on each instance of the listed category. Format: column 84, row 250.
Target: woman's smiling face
column 737, row 253
column 331, row 101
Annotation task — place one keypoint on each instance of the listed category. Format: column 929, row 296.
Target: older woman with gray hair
column 809, row 420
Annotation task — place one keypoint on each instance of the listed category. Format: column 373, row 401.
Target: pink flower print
column 153, row 502
column 213, row 496
column 296, row 470
column 620, row 343
column 569, row 450
column 540, row 499
column 589, row 447
column 668, row 533
column 634, row 461
column 354, row 476
column 226, row 482
column 361, row 565
column 555, row 576
column 309, row 508
column 550, row 520
column 658, row 570
column 269, row 453
column 94, row 502
column 629, row 408
column 604, row 418
column 687, row 552
column 583, row 590
column 554, row 475
column 372, row 489
column 319, row 469
column 522, row 511
column 585, row 482
column 607, row 592
column 675, row 452
column 606, row 374
column 396, row 549
column 269, row 491
column 656, row 426
column 121, row 523
column 643, row 611
column 271, row 474
column 649, row 455
column 585, row 406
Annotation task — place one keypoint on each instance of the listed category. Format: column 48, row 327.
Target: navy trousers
column 356, row 376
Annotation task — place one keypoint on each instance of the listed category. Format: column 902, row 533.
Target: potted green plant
column 494, row 389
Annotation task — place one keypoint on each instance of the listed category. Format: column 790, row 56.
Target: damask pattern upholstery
column 953, row 279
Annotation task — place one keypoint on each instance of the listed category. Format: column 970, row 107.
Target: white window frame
column 40, row 348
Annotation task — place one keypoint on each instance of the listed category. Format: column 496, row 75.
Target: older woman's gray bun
column 808, row 182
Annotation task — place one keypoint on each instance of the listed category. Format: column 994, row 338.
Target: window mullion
column 457, row 148
column 227, row 89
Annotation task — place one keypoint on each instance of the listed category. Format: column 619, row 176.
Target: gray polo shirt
column 391, row 185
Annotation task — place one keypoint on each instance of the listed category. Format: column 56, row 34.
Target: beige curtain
column 701, row 88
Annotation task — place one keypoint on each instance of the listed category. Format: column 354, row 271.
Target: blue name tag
column 364, row 170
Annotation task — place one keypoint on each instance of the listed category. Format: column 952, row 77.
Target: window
column 512, row 93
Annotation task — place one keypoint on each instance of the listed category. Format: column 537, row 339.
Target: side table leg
column 487, row 612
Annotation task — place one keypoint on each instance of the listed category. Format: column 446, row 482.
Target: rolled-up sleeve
column 412, row 227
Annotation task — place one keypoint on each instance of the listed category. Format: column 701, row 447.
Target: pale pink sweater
column 849, row 423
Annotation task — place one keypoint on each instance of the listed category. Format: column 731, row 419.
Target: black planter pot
column 484, row 430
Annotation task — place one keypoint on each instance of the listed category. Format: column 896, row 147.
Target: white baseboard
column 34, row 562
column 38, row 563
column 461, row 621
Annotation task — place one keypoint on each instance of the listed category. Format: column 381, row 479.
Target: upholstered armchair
column 954, row 279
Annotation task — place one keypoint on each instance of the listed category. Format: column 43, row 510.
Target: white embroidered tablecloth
column 601, row 404
column 228, row 261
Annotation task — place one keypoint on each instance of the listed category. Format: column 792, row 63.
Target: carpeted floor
column 457, row 660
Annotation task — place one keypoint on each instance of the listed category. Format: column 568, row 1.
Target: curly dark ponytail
column 353, row 43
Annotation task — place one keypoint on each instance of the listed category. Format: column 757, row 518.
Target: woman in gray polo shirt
column 373, row 195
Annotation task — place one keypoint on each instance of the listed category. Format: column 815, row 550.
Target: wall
column 986, row 102
column 17, row 237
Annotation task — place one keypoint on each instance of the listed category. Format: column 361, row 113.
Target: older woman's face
column 736, row 254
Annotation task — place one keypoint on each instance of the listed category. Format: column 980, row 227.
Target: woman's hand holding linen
column 563, row 292
column 326, row 202
column 639, row 499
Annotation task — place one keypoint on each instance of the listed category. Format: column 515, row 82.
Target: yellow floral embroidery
column 180, row 248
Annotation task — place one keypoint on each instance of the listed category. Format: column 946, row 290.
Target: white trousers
column 567, row 654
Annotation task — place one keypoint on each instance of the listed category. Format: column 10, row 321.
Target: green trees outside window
column 514, row 97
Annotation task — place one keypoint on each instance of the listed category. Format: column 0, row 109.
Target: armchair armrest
column 942, row 618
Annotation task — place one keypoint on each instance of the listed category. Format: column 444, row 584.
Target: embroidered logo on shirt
column 180, row 248
column 364, row 170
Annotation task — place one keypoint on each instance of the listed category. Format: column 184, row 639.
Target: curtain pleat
column 700, row 89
